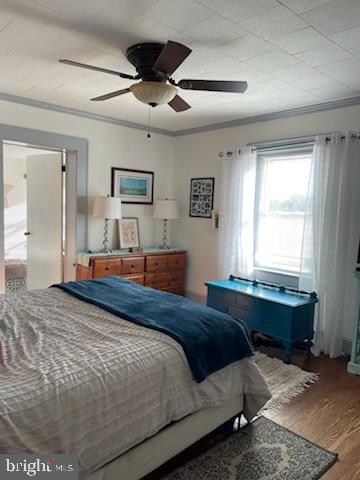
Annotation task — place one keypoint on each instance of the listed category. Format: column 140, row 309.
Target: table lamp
column 108, row 208
column 166, row 210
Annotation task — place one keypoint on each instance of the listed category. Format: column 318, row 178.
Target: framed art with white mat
column 132, row 186
column 129, row 233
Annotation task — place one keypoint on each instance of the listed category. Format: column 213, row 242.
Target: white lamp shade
column 166, row 209
column 107, row 207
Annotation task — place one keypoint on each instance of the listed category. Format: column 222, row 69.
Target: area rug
column 285, row 381
column 263, row 450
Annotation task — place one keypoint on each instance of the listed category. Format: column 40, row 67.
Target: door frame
column 76, row 189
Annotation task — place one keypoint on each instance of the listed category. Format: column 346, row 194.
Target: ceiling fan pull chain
column 148, row 125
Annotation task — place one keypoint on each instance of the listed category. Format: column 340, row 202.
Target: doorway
column 34, row 217
column 57, row 225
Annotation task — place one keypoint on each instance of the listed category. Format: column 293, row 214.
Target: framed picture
column 202, row 197
column 132, row 186
column 129, row 233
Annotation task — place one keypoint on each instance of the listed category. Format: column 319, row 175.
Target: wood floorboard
column 327, row 413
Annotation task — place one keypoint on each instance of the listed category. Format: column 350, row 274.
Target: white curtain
column 237, row 204
column 328, row 222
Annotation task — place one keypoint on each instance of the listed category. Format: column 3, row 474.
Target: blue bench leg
column 288, row 352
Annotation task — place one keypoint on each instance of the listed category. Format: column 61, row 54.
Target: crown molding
column 80, row 113
column 319, row 107
column 293, row 112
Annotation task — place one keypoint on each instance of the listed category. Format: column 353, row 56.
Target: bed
column 75, row 378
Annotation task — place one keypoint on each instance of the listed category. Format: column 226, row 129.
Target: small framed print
column 132, row 186
column 129, row 233
column 202, row 197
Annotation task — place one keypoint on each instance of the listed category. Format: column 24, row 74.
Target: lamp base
column 164, row 246
column 105, row 250
column 106, row 242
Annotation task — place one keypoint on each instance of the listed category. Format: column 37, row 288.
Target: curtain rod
column 299, row 140
column 289, row 142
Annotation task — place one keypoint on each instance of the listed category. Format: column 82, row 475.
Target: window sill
column 288, row 279
column 284, row 273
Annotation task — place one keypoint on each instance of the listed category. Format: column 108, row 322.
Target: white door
column 44, row 220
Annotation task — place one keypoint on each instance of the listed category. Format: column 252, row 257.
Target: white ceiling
column 293, row 53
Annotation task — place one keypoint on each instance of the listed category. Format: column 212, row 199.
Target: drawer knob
column 157, row 264
column 107, row 268
column 132, row 266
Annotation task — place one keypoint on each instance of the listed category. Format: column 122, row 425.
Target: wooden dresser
column 155, row 268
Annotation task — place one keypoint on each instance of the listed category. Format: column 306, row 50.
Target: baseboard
column 353, row 368
column 199, row 298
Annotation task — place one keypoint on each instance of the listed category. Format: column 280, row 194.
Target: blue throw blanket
column 211, row 340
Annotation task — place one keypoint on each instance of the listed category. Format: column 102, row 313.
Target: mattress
column 77, row 379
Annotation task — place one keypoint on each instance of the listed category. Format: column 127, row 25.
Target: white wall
column 175, row 161
column 197, row 155
column 14, row 175
column 110, row 145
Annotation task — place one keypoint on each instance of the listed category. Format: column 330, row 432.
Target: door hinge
column 63, row 168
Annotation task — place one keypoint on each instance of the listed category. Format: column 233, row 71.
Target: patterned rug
column 262, row 450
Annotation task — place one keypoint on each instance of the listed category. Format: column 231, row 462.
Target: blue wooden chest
column 286, row 317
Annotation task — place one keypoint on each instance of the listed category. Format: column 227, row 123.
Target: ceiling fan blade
column 97, row 69
column 107, row 96
column 213, row 85
column 170, row 58
column 178, row 104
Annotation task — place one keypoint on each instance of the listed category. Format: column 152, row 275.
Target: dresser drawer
column 176, row 280
column 176, row 261
column 221, row 296
column 252, row 318
column 156, row 263
column 107, row 266
column 155, row 280
column 220, row 299
column 245, row 301
column 177, row 291
column 133, row 265
column 164, row 280
column 140, row 279
column 266, row 321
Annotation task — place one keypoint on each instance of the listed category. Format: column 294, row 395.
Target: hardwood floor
column 327, row 413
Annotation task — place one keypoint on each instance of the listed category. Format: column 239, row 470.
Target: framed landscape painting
column 202, row 197
column 132, row 186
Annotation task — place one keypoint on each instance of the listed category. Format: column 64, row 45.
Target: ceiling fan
column 155, row 63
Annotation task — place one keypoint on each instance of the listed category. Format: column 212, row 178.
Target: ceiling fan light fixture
column 153, row 93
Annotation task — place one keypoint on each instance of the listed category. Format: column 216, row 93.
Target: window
column 282, row 185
